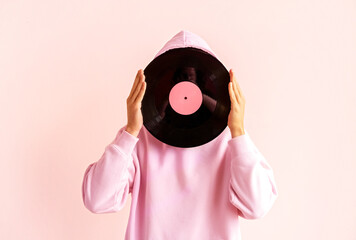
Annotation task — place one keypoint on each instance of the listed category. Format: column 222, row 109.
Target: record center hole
column 185, row 97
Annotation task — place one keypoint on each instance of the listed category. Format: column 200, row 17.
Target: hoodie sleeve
column 252, row 185
column 107, row 182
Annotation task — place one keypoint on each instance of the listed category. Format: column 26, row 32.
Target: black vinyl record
column 186, row 103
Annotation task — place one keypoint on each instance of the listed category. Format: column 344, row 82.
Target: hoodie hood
column 185, row 39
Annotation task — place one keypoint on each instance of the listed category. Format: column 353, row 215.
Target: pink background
column 66, row 69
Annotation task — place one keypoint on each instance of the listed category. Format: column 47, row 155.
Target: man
column 181, row 193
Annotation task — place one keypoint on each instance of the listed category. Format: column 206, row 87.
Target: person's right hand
column 133, row 101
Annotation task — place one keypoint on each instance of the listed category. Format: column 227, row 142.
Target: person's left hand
column 236, row 115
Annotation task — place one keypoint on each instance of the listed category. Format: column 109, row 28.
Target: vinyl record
column 186, row 103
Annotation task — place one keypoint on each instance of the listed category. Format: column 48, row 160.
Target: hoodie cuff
column 240, row 145
column 125, row 142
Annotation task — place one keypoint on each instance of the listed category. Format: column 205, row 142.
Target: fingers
column 134, row 85
column 236, row 86
column 142, row 92
column 233, row 81
column 232, row 95
column 140, row 87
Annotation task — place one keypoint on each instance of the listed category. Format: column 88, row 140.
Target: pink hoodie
column 181, row 193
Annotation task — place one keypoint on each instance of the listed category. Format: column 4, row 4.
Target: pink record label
column 185, row 98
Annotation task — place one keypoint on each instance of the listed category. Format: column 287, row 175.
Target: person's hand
column 133, row 101
column 236, row 115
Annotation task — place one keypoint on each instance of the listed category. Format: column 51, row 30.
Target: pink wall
column 66, row 68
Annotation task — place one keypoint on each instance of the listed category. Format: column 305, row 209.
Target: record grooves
column 186, row 103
